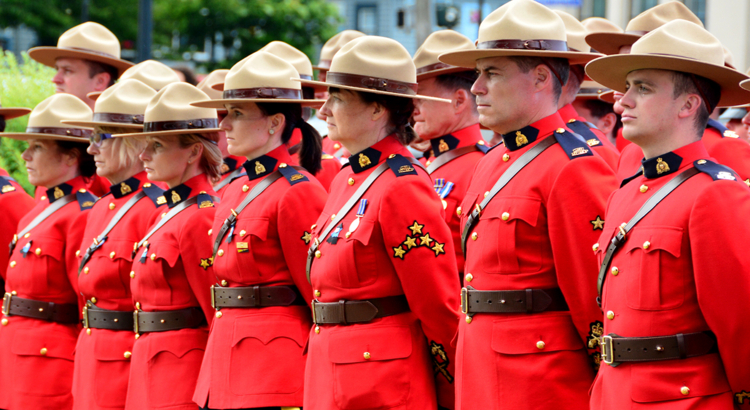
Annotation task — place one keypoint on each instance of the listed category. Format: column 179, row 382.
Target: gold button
column 458, row 211
column 505, row 216
column 540, row 345
column 282, row 165
column 317, row 329
column 337, row 145
column 333, row 217
column 224, row 282
column 615, row 271
column 312, row 228
column 38, row 251
column 243, row 232
column 112, row 255
column 138, row 305
column 685, row 390
column 83, row 191
column 112, row 205
column 221, row 252
column 480, row 142
column 12, row 264
column 486, row 193
column 78, row 253
column 93, row 299
column 14, row 293
column 153, row 256
column 644, row 188
column 88, row 331
column 351, row 181
column 245, row 188
column 474, row 236
column 595, row 247
column 43, row 352
column 163, row 214
column 646, row 245
column 210, row 231
column 127, row 355
column 560, row 130
column 468, row 319
column 366, row 355
column 701, row 161
column 137, row 336
column 317, row 293
column 132, row 274
column 610, row 315
column 506, row 157
column 469, row 277
column 318, row 254
column 219, row 314
column 4, row 322
column 43, row 198
column 428, row 163
column 147, row 185
column 86, row 270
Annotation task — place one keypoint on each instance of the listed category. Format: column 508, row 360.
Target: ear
column 101, row 81
column 692, row 103
column 277, row 123
column 461, row 100
column 607, row 123
column 70, row 158
column 543, row 77
column 378, row 111
column 196, row 151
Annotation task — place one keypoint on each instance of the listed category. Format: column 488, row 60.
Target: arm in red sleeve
column 73, row 242
column 193, row 248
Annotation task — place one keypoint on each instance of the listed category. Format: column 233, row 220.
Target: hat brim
column 170, row 132
column 468, row 58
column 610, row 43
column 608, row 96
column 219, row 104
column 10, row 113
column 25, row 136
column 92, row 124
column 611, row 72
column 94, row 95
column 434, row 73
column 368, row 90
column 48, row 56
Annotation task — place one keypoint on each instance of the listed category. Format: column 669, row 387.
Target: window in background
column 639, row 6
column 698, row 7
column 367, row 19
column 593, row 8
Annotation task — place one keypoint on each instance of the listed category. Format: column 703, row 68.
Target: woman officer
column 171, row 272
column 382, row 269
column 254, row 357
column 40, row 321
column 117, row 221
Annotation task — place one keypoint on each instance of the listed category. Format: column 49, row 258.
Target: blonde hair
column 211, row 159
column 126, row 149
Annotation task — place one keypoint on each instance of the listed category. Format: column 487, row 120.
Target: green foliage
column 21, row 85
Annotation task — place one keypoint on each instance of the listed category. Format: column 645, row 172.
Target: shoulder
column 401, row 166
column 86, row 199
column 155, row 194
column 482, row 147
column 716, row 171
column 572, row 144
column 293, row 176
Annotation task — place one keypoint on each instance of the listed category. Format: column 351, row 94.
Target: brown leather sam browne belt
column 97, row 318
column 145, row 322
column 511, row 301
column 49, row 311
column 255, row 296
column 616, row 349
column 346, row 312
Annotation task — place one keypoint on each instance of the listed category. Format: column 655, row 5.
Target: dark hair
column 86, row 164
column 98, row 68
column 311, row 151
column 689, row 84
column 189, row 74
column 599, row 109
column 559, row 66
column 2, row 123
column 399, row 109
column 458, row 81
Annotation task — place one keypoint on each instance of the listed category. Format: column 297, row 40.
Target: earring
column 190, row 161
column 271, row 131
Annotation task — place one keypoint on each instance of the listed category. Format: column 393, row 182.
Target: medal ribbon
column 442, row 193
column 439, row 184
column 362, row 208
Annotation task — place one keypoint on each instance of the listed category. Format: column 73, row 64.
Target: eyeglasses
column 97, row 138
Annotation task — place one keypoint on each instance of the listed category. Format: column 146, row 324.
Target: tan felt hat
column 677, row 46
column 520, row 28
column 649, row 20
column 333, row 45
column 122, row 105
column 591, row 90
column 13, row 112
column 260, row 78
column 439, row 42
column 46, row 120
column 374, row 64
column 213, row 78
column 575, row 32
column 87, row 41
column 600, row 25
column 170, row 113
column 150, row 72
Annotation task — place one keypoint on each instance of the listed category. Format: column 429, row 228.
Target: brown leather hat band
column 433, row 67
column 68, row 132
column 89, row 51
column 373, row 83
column 545, row 45
column 596, row 91
column 196, row 124
column 242, row 93
column 118, row 118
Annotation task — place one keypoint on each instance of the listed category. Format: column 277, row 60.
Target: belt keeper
column 342, row 303
column 529, row 300
column 256, row 295
column 681, row 345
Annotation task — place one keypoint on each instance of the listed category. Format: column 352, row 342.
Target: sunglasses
column 97, row 138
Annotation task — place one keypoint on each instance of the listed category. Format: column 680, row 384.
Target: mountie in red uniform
column 171, row 281
column 720, row 142
column 41, row 312
column 385, row 282
column 329, row 165
column 529, row 295
column 675, row 292
column 103, row 353
column 231, row 169
column 14, row 204
column 264, row 247
column 451, row 169
column 594, row 138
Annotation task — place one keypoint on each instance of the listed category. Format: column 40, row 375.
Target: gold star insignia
column 206, row 263
column 598, row 223
column 306, row 237
column 410, row 242
column 398, row 252
column 438, row 248
column 426, row 240
column 416, row 228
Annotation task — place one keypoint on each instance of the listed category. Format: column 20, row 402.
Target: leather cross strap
column 255, row 296
column 97, row 318
column 450, row 156
column 171, row 214
column 145, row 322
column 616, row 349
column 41, row 217
column 512, row 301
column 345, row 312
column 509, row 173
column 647, row 207
column 99, row 240
column 35, row 309
column 230, row 177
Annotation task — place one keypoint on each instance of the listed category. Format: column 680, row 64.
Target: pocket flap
column 122, row 250
column 113, row 347
column 43, row 342
column 47, row 247
column 523, row 335
column 179, row 342
column 164, row 252
column 656, row 382
column 269, row 327
column 380, row 343
column 257, row 227
column 659, row 238
column 514, row 208
column 362, row 234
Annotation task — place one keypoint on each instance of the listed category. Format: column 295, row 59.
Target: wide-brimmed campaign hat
column 170, row 113
column 591, row 90
column 649, row 20
column 261, row 78
column 150, row 72
column 333, row 45
column 676, row 46
column 46, row 120
column 520, row 28
column 439, row 42
column 13, row 112
column 88, row 41
column 213, row 78
column 374, row 64
column 600, row 25
column 122, row 105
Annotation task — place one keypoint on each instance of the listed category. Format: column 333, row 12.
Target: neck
column 534, row 114
column 191, row 171
column 272, row 144
column 367, row 140
column 124, row 174
column 463, row 122
column 667, row 143
column 66, row 176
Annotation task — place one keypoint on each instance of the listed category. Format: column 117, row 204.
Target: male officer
column 674, row 272
column 529, row 296
column 452, row 129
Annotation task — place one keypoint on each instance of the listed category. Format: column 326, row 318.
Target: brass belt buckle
column 85, row 317
column 607, row 351
column 465, row 301
column 135, row 323
column 6, row 303
column 315, row 321
column 213, row 297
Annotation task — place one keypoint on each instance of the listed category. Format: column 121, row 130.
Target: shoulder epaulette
column 584, row 130
column 716, row 171
column 205, row 201
column 573, row 144
column 481, row 146
column 6, row 185
column 86, row 199
column 327, row 156
column 499, row 144
column 155, row 194
column 400, row 165
column 721, row 129
column 292, row 175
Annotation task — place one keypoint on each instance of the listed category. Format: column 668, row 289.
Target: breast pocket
column 151, row 269
column 654, row 273
column 509, row 238
column 663, row 381
column 238, row 265
column 109, row 268
column 355, row 257
column 46, row 265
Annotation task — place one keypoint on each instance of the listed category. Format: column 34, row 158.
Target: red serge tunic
column 36, row 356
column 14, row 204
column 330, row 166
column 402, row 246
column 230, row 169
column 452, row 179
column 594, row 138
column 175, row 274
column 682, row 269
column 268, row 247
column 533, row 235
column 102, row 360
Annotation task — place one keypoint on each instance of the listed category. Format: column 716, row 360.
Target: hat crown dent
column 440, row 42
column 172, row 103
column 657, row 16
column 297, row 58
column 262, row 70
column 152, row 73
column 681, row 38
column 215, row 77
column 600, row 25
column 91, row 36
column 375, row 56
column 334, row 44
column 522, row 20
column 128, row 96
column 575, row 32
column 52, row 111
